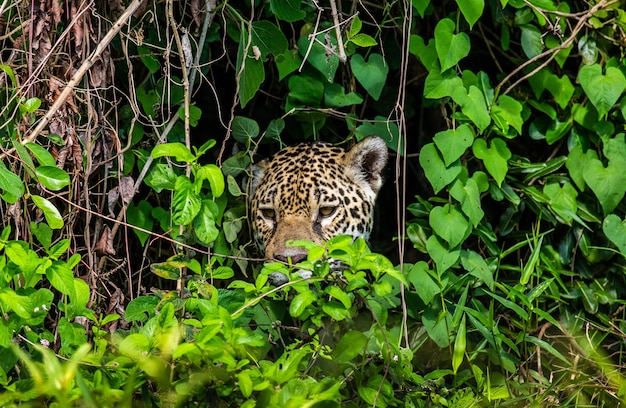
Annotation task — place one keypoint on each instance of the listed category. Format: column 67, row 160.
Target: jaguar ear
column 368, row 159
column 256, row 171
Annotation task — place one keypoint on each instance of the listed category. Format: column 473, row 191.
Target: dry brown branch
column 82, row 70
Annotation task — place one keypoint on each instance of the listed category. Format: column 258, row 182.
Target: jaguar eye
column 268, row 213
column 327, row 211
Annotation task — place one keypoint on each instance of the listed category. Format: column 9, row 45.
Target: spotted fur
column 314, row 192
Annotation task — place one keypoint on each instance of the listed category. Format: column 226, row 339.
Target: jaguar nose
column 295, row 258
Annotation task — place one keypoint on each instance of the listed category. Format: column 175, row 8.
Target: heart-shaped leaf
column 436, row 170
column 473, row 105
column 494, row 157
column 615, row 230
column 450, row 224
column 508, row 112
column 318, row 57
column 443, row 257
column 471, row 9
column 372, row 74
column 602, row 90
column 453, row 143
column 425, row 286
column 608, row 183
column 441, row 84
column 335, row 97
column 468, row 195
column 451, row 48
column 561, row 88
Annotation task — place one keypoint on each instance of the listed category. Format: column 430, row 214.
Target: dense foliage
column 128, row 276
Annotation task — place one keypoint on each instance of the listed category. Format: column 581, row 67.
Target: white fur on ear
column 257, row 171
column 368, row 159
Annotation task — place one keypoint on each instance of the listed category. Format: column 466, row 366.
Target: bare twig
column 82, row 70
column 342, row 51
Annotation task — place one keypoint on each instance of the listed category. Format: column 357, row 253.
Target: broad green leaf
column 148, row 59
column 443, row 257
column 335, row 97
column 336, row 310
column 453, row 143
column 185, row 202
column 318, row 57
column 300, row 302
column 508, row 112
column 177, row 150
column 336, row 293
column 495, row 158
column 562, row 200
column 140, row 216
column 249, row 69
column 20, row 305
column 11, row 185
column 50, row 212
column 204, row 222
column 61, row 278
column 52, row 177
column 426, row 53
column 305, row 91
column 450, row 224
column 603, row 90
column 420, row 6
column 42, row 232
column 141, row 308
column 363, row 40
column 437, row 173
column 562, row 90
column 438, row 326
column 372, row 75
column 441, row 85
column 383, row 128
column 615, row 230
column 160, row 177
column 472, row 10
column 165, row 270
column 590, row 302
column 608, row 183
column 349, row 347
column 287, row 10
column 42, row 154
column 244, row 129
column 287, row 62
column 195, row 114
column 268, row 38
column 468, row 195
column 476, row 266
column 423, row 282
column 214, row 175
column 473, row 105
column 532, row 43
column 451, row 48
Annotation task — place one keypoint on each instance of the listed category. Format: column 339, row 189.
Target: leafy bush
column 128, row 275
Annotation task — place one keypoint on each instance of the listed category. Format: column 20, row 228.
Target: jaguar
column 314, row 191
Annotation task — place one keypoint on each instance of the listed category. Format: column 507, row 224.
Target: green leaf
column 300, row 302
column 532, row 43
column 335, row 97
column 42, row 155
column 287, row 62
column 372, row 75
column 42, row 232
column 177, row 150
column 149, row 61
column 562, row 200
column 20, row 305
column 140, row 216
column 268, row 38
column 160, row 177
column 351, row 345
column 204, row 222
column 476, row 266
column 603, row 90
column 336, row 293
column 50, row 212
column 185, row 202
column 473, row 105
column 335, row 310
column 507, row 112
column 195, row 114
column 61, row 278
column 383, row 128
column 426, row 53
column 495, row 158
column 244, row 129
column 608, row 183
column 615, row 230
column 318, row 57
column 460, row 343
column 437, row 173
column 305, row 91
column 214, row 175
column 287, row 10
column 451, row 48
column 423, row 282
column 453, row 143
column 438, row 326
column 590, row 301
column 363, row 40
column 443, row 257
column 468, row 195
column 141, row 308
column 52, row 177
column 249, row 69
column 11, row 185
column 472, row 10
column 450, row 224
column 562, row 90
column 441, row 85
